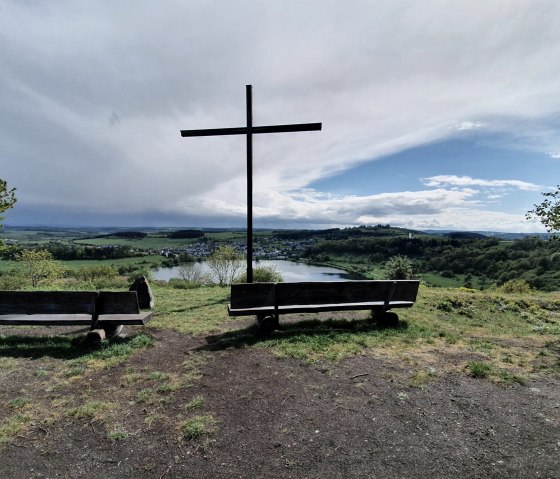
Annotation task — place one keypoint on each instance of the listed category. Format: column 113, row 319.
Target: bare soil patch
column 263, row 416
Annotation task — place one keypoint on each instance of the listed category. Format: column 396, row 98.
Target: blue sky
column 436, row 115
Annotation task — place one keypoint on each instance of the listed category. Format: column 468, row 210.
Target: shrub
column 262, row 274
column 515, row 286
column 398, row 267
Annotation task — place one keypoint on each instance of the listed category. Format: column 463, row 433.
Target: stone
column 144, row 292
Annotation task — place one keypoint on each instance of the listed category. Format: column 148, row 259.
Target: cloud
column 93, row 97
column 554, row 154
column 469, row 125
column 463, row 181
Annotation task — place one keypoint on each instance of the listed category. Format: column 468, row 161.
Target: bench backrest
column 68, row 302
column 252, row 295
column 117, row 302
column 47, row 302
column 333, row 292
column 344, row 292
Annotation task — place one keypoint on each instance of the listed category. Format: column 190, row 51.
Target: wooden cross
column 250, row 130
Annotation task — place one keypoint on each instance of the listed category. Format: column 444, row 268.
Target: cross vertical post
column 249, row 95
column 250, row 130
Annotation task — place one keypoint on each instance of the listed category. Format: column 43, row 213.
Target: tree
column 7, row 200
column 225, row 264
column 398, row 267
column 38, row 266
column 548, row 212
column 191, row 272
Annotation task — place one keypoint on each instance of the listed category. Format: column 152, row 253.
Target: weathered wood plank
column 117, row 302
column 250, row 295
column 343, row 292
column 47, row 302
column 45, row 319
column 125, row 319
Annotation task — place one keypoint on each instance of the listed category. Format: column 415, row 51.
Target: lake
column 290, row 271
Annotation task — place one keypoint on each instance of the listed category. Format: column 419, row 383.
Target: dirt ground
column 269, row 417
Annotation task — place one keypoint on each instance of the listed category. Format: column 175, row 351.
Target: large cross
column 250, row 130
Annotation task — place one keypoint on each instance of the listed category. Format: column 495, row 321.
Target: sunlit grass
column 192, row 311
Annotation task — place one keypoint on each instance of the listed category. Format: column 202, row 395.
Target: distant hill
column 492, row 234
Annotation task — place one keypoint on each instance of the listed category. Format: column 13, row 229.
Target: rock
column 144, row 292
column 95, row 337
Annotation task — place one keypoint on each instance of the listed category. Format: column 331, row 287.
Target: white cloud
column 93, row 96
column 554, row 154
column 469, row 125
column 463, row 181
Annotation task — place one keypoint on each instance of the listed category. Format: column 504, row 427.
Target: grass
column 91, row 410
column 198, row 426
column 192, row 311
column 12, row 426
column 195, row 403
column 479, row 369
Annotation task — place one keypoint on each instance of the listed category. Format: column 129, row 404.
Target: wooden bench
column 107, row 311
column 268, row 300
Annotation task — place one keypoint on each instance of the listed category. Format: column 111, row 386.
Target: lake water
column 290, row 271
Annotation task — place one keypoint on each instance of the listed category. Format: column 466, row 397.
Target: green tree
column 38, row 266
column 225, row 264
column 548, row 212
column 7, row 200
column 398, row 267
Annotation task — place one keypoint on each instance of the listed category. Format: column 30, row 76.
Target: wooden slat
column 250, row 295
column 125, row 319
column 45, row 319
column 119, row 302
column 47, row 302
column 311, row 293
column 317, row 308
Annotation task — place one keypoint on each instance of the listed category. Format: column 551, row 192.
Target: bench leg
column 266, row 324
column 386, row 319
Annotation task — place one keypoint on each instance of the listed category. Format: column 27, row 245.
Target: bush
column 398, row 267
column 515, row 286
column 262, row 274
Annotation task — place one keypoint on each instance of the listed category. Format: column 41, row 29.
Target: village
column 264, row 248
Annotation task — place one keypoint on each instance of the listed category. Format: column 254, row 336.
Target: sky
column 436, row 115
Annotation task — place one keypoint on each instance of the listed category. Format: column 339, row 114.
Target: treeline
column 65, row 251
column 532, row 259
column 185, row 234
column 344, row 233
column 125, row 235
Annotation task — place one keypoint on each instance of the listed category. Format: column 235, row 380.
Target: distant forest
column 532, row 259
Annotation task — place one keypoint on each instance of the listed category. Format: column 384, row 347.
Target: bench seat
column 318, row 308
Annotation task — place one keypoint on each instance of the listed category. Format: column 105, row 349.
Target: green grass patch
column 12, row 426
column 191, row 311
column 91, row 410
column 198, row 426
column 118, row 434
column 479, row 369
column 196, row 402
column 18, row 403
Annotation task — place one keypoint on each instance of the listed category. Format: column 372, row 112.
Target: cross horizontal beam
column 255, row 130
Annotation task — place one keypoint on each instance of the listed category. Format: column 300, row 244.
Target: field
column 467, row 386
